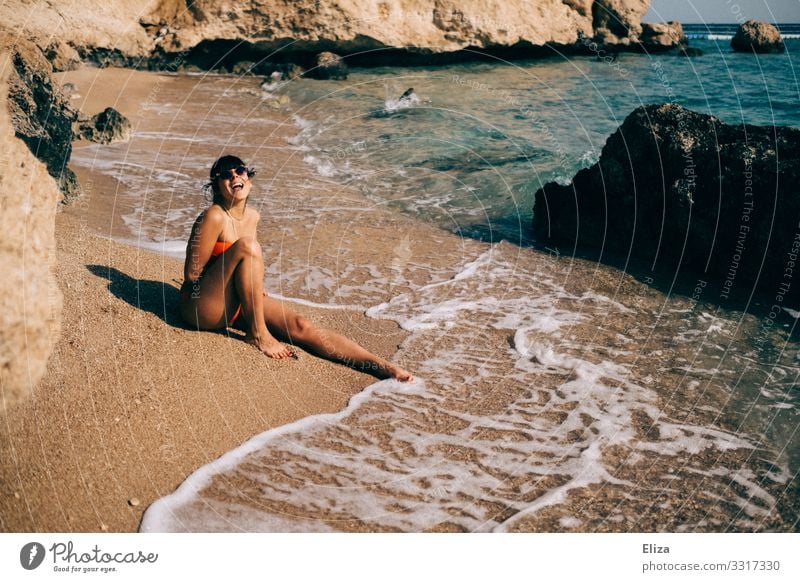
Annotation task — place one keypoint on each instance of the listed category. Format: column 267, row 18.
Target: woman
column 224, row 281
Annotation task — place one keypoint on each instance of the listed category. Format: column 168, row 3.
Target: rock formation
column 618, row 21
column 684, row 191
column 329, row 66
column 30, row 302
column 107, row 126
column 91, row 27
column 40, row 112
column 213, row 34
column 755, row 36
column 62, row 57
column 660, row 36
column 355, row 25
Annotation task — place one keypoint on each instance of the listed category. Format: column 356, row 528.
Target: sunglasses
column 240, row 171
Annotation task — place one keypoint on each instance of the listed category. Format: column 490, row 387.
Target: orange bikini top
column 220, row 247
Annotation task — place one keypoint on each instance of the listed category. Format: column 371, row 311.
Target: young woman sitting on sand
column 224, row 281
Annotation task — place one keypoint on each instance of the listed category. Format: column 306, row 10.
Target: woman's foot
column 386, row 370
column 400, row 374
column 270, row 347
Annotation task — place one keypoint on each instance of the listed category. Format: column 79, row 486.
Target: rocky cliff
column 91, row 26
column 30, row 302
column 40, row 112
column 170, row 32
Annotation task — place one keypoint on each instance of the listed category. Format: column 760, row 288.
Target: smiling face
column 234, row 187
column 231, row 181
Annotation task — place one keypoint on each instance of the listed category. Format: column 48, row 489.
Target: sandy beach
column 555, row 393
column 133, row 402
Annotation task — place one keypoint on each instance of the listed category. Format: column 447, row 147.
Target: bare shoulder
column 213, row 215
column 254, row 214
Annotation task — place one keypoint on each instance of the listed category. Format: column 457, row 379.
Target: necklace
column 233, row 221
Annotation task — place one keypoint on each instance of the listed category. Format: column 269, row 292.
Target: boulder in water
column 661, row 36
column 757, row 36
column 107, row 126
column 686, row 192
column 329, row 66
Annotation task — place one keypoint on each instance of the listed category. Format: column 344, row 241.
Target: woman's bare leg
column 235, row 278
column 296, row 329
column 249, row 281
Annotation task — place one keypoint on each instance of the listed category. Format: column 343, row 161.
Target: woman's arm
column 205, row 233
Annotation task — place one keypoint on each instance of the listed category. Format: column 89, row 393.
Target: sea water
column 552, row 394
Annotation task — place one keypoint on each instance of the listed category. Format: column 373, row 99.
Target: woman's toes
column 403, row 375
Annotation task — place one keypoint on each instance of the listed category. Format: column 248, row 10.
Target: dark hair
column 223, row 164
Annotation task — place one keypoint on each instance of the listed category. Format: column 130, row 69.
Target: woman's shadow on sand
column 156, row 297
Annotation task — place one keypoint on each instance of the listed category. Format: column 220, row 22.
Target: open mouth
column 237, row 187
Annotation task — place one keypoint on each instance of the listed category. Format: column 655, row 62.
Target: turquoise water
column 470, row 152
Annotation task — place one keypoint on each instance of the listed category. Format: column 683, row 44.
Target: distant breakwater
column 726, row 31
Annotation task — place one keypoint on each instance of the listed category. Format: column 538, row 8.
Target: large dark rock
column 687, row 193
column 756, row 36
column 107, row 126
column 40, row 112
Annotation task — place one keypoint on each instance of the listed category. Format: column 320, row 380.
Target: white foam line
column 308, row 303
column 559, row 495
column 468, row 271
column 156, row 518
